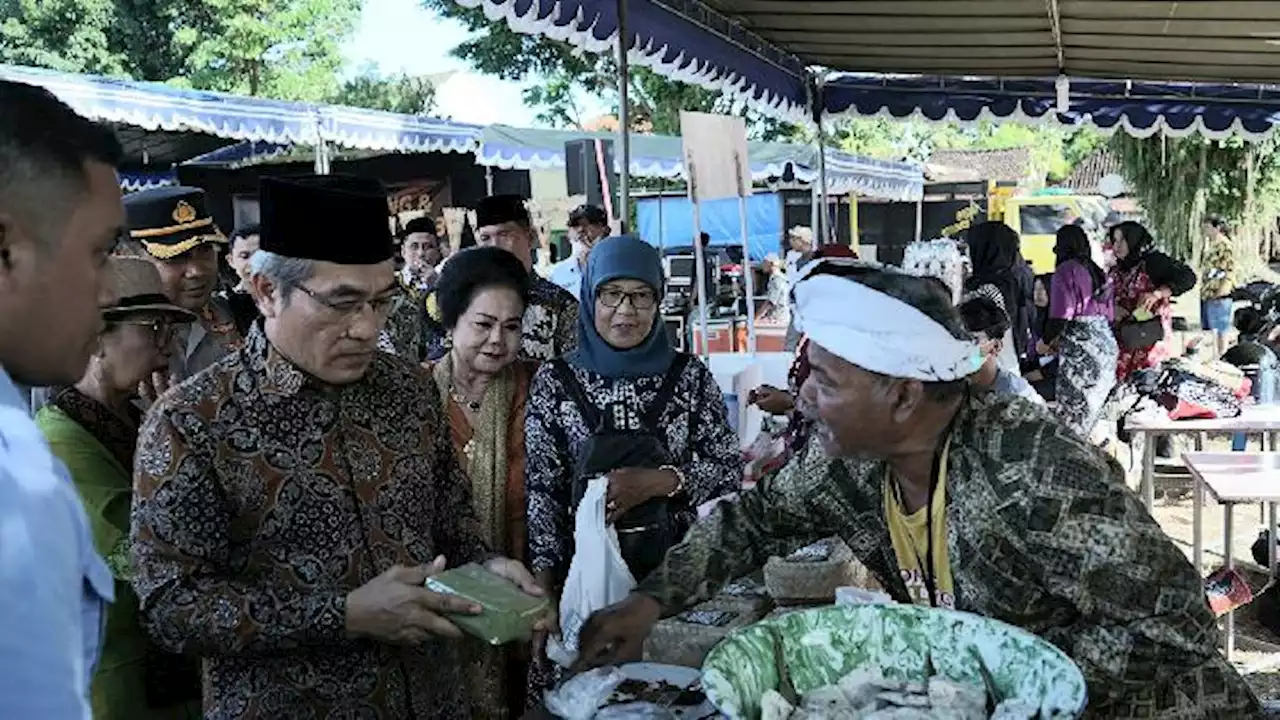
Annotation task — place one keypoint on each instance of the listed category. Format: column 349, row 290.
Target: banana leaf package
column 508, row 614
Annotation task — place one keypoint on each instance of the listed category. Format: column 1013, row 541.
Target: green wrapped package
column 509, row 613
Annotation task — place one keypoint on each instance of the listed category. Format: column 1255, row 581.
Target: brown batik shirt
column 261, row 499
column 1042, row 533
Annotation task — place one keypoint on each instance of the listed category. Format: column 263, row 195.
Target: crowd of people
column 228, row 501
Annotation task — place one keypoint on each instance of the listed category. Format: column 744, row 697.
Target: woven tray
column 812, row 574
column 685, row 639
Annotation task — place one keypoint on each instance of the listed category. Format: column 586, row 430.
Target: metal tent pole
column 624, row 117
column 748, row 276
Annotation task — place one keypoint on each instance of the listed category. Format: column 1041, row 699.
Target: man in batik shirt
column 406, row 325
column 173, row 229
column 983, row 504
column 291, row 501
column 551, row 315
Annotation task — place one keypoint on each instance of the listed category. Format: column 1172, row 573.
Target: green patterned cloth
column 1042, row 534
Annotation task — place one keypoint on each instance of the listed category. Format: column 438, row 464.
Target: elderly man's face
column 190, row 278
column 856, row 412
column 328, row 326
column 510, row 236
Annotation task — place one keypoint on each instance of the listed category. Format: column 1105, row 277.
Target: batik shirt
column 1042, row 533
column 262, row 499
column 403, row 333
column 694, row 426
column 550, row 323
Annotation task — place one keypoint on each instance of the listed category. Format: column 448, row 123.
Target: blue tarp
column 155, row 106
column 718, row 218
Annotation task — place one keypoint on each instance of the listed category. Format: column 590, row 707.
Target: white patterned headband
column 877, row 332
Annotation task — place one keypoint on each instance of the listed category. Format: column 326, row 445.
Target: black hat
column 340, row 219
column 499, row 209
column 169, row 221
column 590, row 214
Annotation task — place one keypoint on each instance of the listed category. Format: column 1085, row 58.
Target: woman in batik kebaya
column 482, row 294
column 1081, row 307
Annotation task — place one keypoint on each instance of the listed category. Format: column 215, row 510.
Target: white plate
column 680, row 676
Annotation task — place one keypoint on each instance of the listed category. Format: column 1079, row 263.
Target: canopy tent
column 661, row 156
column 133, row 181
column 1140, row 109
column 156, row 107
column 653, row 156
column 760, row 49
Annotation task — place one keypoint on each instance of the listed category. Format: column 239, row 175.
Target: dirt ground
column 1257, row 653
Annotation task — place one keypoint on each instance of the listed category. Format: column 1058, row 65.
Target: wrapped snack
column 582, row 695
column 509, row 613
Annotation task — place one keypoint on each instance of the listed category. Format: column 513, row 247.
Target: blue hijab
column 621, row 258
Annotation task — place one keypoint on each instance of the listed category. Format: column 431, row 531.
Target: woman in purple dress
column 1081, row 307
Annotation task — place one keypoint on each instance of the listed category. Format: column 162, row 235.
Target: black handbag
column 1140, row 334
column 647, row 531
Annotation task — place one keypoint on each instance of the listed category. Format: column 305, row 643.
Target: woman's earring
column 448, row 340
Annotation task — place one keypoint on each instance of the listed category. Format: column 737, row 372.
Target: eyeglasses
column 640, row 299
column 348, row 309
column 161, row 330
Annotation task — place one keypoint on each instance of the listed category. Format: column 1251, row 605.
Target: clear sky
column 399, row 35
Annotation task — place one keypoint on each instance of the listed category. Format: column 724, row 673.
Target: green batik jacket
column 1042, row 534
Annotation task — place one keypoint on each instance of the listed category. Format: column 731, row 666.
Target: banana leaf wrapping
column 509, row 613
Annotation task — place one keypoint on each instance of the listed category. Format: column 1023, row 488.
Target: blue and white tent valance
column 662, row 156
column 680, row 39
column 135, row 181
column 1139, row 109
column 155, row 106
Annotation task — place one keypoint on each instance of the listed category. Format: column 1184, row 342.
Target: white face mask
column 579, row 248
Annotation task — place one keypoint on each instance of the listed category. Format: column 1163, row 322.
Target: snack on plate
column 868, row 695
column 509, row 613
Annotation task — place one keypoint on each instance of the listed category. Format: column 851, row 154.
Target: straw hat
column 135, row 288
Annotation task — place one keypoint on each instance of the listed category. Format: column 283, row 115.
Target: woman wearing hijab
column 623, row 381
column 994, row 252
column 1145, row 282
column 1079, row 331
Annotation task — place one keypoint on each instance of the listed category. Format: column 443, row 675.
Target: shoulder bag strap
column 571, row 385
column 653, row 415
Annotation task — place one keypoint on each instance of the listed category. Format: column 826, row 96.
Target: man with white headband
column 971, row 501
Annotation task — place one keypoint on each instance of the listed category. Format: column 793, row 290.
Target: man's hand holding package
column 395, row 607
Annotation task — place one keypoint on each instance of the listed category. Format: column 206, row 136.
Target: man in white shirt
column 588, row 224
column 60, row 217
column 988, row 323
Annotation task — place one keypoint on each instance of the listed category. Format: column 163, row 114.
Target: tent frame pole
column 624, row 118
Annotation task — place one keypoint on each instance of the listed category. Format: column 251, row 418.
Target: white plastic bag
column 582, row 695
column 598, row 576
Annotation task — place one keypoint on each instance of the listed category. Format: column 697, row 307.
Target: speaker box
column 583, row 161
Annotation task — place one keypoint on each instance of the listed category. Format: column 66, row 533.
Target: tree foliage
column 409, row 94
column 1181, row 180
column 287, row 49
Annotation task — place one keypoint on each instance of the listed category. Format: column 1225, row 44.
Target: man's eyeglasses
column 640, row 299
column 348, row 308
column 161, row 330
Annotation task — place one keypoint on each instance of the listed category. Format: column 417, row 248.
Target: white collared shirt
column 568, row 274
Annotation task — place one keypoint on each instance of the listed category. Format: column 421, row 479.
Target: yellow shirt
column 911, row 543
